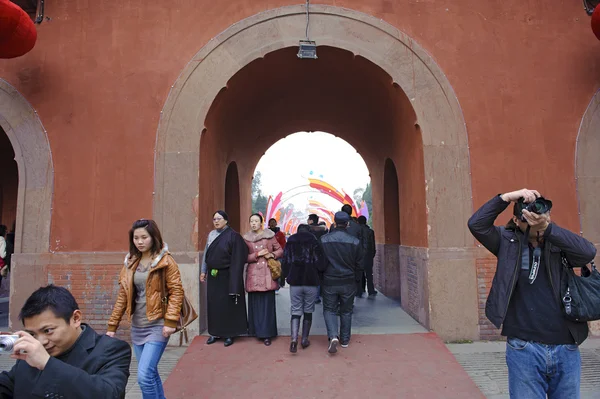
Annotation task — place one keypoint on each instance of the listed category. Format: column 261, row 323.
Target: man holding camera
column 542, row 351
column 60, row 357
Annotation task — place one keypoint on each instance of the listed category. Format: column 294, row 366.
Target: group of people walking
column 313, row 260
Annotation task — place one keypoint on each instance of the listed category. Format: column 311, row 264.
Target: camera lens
column 6, row 344
column 538, row 207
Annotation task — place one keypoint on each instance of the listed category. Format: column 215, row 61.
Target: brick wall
column 486, row 267
column 95, row 288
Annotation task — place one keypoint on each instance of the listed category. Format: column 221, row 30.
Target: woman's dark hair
column 58, row 299
column 223, row 214
column 2, row 230
column 259, row 216
column 152, row 229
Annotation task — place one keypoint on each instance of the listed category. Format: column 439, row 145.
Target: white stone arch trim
column 36, row 171
column 587, row 170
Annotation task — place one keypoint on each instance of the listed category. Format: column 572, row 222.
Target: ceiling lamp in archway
column 17, row 31
column 307, row 48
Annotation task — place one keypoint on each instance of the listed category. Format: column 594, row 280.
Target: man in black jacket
column 542, row 351
column 60, row 357
column 344, row 268
column 371, row 251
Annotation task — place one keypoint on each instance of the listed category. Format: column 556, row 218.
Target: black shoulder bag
column 580, row 294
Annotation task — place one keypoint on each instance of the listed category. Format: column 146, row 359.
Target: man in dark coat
column 222, row 268
column 60, row 357
column 370, row 252
column 354, row 229
column 525, row 298
column 314, row 226
column 344, row 269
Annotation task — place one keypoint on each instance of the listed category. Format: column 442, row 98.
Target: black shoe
column 360, row 295
column 318, row 300
column 373, row 293
column 228, row 342
column 267, row 341
column 333, row 345
column 211, row 340
column 294, row 347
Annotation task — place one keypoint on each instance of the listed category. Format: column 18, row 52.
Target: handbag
column 274, row 267
column 580, row 294
column 188, row 314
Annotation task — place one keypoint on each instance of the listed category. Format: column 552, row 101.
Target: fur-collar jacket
column 154, row 308
column 258, row 274
column 303, row 259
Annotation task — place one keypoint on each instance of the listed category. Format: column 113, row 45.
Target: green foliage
column 259, row 201
column 367, row 196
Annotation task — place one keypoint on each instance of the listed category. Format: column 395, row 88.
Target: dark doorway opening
column 9, row 186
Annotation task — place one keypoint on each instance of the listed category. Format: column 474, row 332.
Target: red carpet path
column 374, row 366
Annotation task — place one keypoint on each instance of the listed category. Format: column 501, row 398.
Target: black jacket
column 96, row 367
column 369, row 237
column 318, row 231
column 345, row 258
column 505, row 244
column 302, row 259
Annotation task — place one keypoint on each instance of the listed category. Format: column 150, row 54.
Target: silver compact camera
column 7, row 343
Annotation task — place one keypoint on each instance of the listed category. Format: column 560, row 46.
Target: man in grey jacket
column 542, row 351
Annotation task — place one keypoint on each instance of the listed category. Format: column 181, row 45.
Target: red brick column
column 486, row 267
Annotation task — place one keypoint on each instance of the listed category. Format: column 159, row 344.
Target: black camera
column 540, row 206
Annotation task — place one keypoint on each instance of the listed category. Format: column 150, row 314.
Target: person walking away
column 223, row 271
column 371, row 251
column 542, row 351
column 262, row 246
column 345, row 260
column 146, row 266
column 355, row 230
column 303, row 257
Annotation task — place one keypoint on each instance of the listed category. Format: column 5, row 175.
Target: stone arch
column 441, row 127
column 587, row 170
column 30, row 143
column 36, row 172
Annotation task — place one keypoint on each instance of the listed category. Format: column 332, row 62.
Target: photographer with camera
column 58, row 356
column 542, row 351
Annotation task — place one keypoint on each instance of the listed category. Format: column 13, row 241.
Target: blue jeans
column 535, row 370
column 148, row 356
column 338, row 299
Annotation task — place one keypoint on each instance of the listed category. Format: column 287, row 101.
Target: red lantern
column 17, row 31
column 596, row 22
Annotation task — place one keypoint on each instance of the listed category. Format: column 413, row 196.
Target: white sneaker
column 333, row 345
column 345, row 345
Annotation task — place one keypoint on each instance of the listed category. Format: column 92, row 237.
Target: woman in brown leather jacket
column 140, row 295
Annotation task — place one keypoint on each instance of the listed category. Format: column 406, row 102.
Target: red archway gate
column 431, row 157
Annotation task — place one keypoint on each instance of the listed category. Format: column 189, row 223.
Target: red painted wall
column 101, row 71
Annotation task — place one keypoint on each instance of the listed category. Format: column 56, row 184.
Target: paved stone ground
column 486, row 364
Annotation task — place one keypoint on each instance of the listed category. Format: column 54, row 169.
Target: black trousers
column 367, row 280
